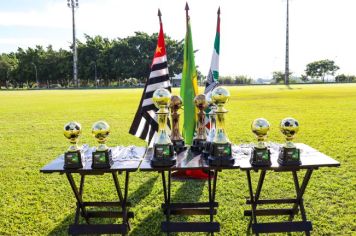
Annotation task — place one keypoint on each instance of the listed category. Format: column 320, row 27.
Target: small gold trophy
column 163, row 151
column 220, row 150
column 289, row 154
column 260, row 153
column 176, row 137
column 200, row 134
column 73, row 158
column 212, row 126
column 102, row 157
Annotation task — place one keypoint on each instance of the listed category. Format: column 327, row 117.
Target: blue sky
column 252, row 31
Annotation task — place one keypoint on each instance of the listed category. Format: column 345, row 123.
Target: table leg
column 81, row 189
column 117, row 186
column 78, row 195
column 300, row 190
column 252, row 199
column 124, row 201
column 212, row 193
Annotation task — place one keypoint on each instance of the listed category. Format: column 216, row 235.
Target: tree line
column 316, row 71
column 101, row 61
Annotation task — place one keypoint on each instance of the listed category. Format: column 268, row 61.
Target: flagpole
column 159, row 16
column 217, row 24
column 186, row 13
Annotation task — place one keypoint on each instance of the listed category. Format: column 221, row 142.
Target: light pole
column 37, row 82
column 286, row 71
column 74, row 4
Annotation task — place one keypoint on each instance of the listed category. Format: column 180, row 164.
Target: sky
column 252, row 40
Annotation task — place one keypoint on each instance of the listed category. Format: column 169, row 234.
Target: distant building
column 263, row 81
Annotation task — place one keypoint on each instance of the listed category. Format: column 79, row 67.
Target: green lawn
column 32, row 203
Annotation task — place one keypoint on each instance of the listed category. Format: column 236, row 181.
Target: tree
column 319, row 69
column 278, row 77
column 345, row 78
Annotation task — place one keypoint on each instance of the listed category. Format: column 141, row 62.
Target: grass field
column 32, row 203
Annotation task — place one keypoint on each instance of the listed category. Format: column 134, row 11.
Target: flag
column 189, row 87
column 145, row 125
column 213, row 74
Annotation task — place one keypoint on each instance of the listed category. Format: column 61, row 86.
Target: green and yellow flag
column 189, row 87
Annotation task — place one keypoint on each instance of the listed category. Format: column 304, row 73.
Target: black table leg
column 81, row 210
column 300, row 192
column 276, row 227
column 191, row 208
column 212, row 193
column 252, row 199
column 81, row 189
column 125, row 219
column 78, row 196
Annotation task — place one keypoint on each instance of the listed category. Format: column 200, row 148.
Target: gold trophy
column 212, row 126
column 200, row 134
column 289, row 154
column 102, row 157
column 163, row 151
column 176, row 137
column 260, row 153
column 73, row 158
column 220, row 150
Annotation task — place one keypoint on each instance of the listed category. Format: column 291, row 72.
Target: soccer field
column 31, row 135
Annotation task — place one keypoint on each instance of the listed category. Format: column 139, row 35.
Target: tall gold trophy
column 102, row 157
column 212, row 126
column 73, row 158
column 289, row 154
column 163, row 151
column 220, row 150
column 200, row 134
column 260, row 153
column 176, row 137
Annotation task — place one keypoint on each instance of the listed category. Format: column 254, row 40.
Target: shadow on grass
column 190, row 191
column 289, row 88
column 142, row 191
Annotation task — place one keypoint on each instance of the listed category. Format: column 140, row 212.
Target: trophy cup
column 289, row 154
column 260, row 153
column 163, row 151
column 200, row 134
column 212, row 125
column 220, row 150
column 102, row 157
column 73, row 158
column 176, row 137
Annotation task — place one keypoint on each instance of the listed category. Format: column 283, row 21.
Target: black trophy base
column 163, row 155
column 289, row 157
column 102, row 159
column 206, row 151
column 220, row 155
column 198, row 146
column 179, row 146
column 73, row 160
column 260, row 157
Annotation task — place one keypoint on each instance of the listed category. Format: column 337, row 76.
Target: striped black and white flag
column 145, row 124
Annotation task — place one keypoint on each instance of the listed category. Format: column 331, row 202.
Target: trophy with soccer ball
column 200, row 134
column 163, row 151
column 73, row 158
column 102, row 156
column 176, row 137
column 220, row 150
column 289, row 154
column 260, row 153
